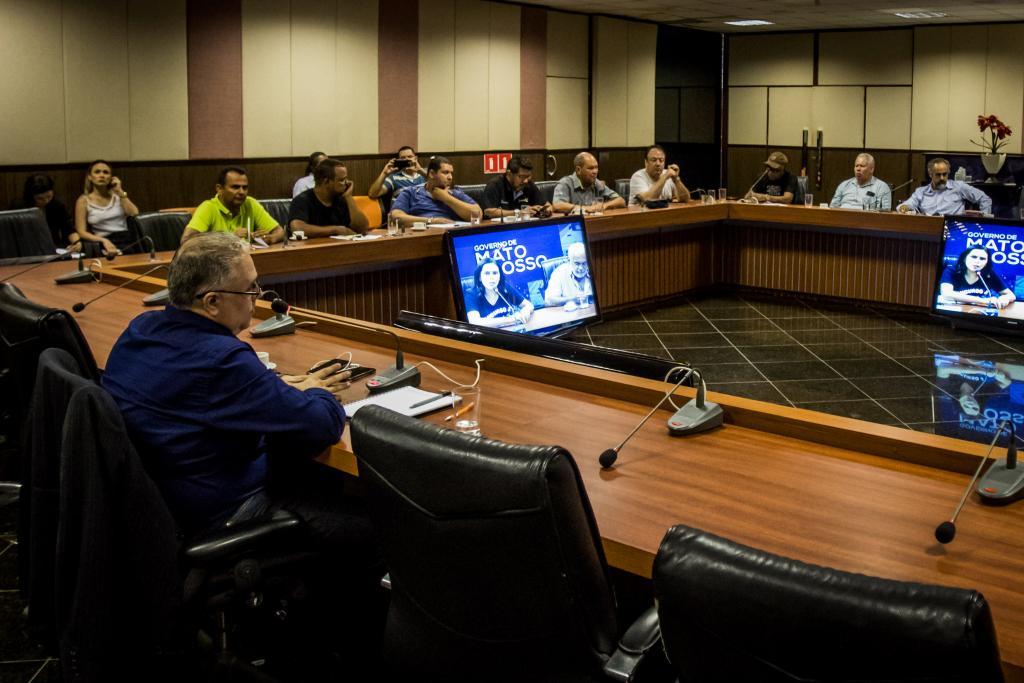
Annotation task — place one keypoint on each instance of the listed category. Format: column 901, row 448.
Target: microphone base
column 159, row 298
column 691, row 419
column 274, row 327
column 394, row 378
column 1001, row 486
column 75, row 277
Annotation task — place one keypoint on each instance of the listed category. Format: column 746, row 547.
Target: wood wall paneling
column 32, row 83
column 313, row 58
column 610, row 68
column 436, row 81
column 566, row 113
column 967, row 67
column 1004, row 79
column 398, row 99
column 503, row 77
column 887, row 118
column 865, row 57
column 930, row 101
column 696, row 115
column 789, row 112
column 643, row 43
column 215, row 128
column 568, row 37
column 96, row 97
column 158, row 79
column 533, row 77
column 472, row 84
column 356, row 96
column 778, row 59
column 667, row 113
column 839, row 112
column 267, row 79
column 748, row 116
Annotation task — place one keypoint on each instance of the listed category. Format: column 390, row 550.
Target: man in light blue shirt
column 863, row 190
column 944, row 197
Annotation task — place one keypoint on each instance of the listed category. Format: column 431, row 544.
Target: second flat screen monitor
column 532, row 277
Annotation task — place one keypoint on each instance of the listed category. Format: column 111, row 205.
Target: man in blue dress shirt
column 435, row 201
column 863, row 190
column 944, row 197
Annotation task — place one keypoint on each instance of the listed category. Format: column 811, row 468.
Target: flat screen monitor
column 973, row 396
column 531, row 277
column 980, row 275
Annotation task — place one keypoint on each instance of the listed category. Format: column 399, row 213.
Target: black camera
column 401, row 163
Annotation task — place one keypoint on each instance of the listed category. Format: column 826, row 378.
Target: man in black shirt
column 514, row 190
column 329, row 208
column 776, row 184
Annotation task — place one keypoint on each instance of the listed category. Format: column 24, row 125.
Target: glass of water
column 394, row 226
column 466, row 413
column 721, row 194
column 808, row 199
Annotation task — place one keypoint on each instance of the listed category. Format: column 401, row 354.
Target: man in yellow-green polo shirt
column 233, row 210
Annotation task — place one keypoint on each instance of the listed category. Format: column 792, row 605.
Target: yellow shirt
column 212, row 215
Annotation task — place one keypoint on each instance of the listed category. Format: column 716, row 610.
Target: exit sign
column 496, row 163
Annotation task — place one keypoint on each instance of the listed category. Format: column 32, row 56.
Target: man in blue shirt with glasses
column 944, row 197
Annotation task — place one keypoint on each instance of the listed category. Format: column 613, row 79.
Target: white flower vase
column 993, row 163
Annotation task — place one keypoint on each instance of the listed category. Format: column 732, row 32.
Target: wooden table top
column 824, row 489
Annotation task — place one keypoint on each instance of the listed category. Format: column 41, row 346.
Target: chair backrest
column 163, row 227
column 475, row 192
column 547, row 189
column 733, row 613
column 371, row 208
column 496, row 564
column 279, row 209
column 24, row 232
column 622, row 187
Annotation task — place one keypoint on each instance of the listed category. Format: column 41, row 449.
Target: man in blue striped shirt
column 944, row 197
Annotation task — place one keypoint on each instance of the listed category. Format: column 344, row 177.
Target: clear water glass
column 466, row 415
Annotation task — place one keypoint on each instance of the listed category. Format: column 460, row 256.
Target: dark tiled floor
column 893, row 368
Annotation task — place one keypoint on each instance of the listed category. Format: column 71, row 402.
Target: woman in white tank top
column 101, row 212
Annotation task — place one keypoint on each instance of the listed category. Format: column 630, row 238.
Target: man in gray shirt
column 582, row 188
column 863, row 190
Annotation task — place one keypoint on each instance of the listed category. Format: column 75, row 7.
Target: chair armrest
column 642, row 635
column 242, row 537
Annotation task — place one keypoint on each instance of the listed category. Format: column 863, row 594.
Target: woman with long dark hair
column 38, row 193
column 971, row 280
column 493, row 302
column 101, row 213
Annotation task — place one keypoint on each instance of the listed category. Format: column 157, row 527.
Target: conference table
column 824, row 489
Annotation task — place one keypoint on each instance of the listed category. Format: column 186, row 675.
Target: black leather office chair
column 23, row 232
column 279, row 209
column 164, row 228
column 495, row 561
column 547, row 189
column 125, row 594
column 475, row 192
column 733, row 613
column 622, row 187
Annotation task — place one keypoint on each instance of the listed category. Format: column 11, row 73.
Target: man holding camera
column 329, row 208
column 398, row 174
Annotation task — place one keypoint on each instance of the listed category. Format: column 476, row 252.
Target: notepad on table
column 402, row 400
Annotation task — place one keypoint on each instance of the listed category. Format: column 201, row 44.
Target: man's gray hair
column 934, row 162
column 203, row 263
column 580, row 158
column 864, row 155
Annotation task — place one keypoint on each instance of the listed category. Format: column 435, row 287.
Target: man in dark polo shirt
column 329, row 208
column 514, row 190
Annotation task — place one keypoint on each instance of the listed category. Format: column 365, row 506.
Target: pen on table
column 461, row 411
column 431, row 399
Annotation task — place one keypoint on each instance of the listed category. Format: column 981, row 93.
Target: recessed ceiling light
column 750, row 22
column 920, row 15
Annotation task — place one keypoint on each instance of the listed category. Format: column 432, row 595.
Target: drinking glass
column 808, row 199
column 394, row 226
column 721, row 194
column 466, row 415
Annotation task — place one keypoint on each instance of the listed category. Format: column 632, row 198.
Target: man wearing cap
column 776, row 184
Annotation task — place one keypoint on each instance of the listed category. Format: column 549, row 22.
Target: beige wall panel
column 610, row 119
column 748, row 116
column 967, row 66
column 568, row 37
column 789, row 112
column 355, row 104
column 436, row 64
column 313, row 75
column 866, row 57
column 930, row 103
column 839, row 112
column 158, row 79
column 566, row 117
column 783, row 59
column 266, row 79
column 32, row 83
column 472, row 46
column 1004, row 81
column 96, row 100
column 887, row 118
column 503, row 77
column 643, row 41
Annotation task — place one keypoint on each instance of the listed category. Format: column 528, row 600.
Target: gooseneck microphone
column 608, row 457
column 281, row 323
column 946, row 532
column 750, row 192
column 79, row 307
column 395, row 376
column 893, row 188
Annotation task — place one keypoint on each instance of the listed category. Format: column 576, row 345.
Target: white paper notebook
column 401, row 401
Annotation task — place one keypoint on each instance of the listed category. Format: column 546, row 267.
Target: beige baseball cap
column 777, row 160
